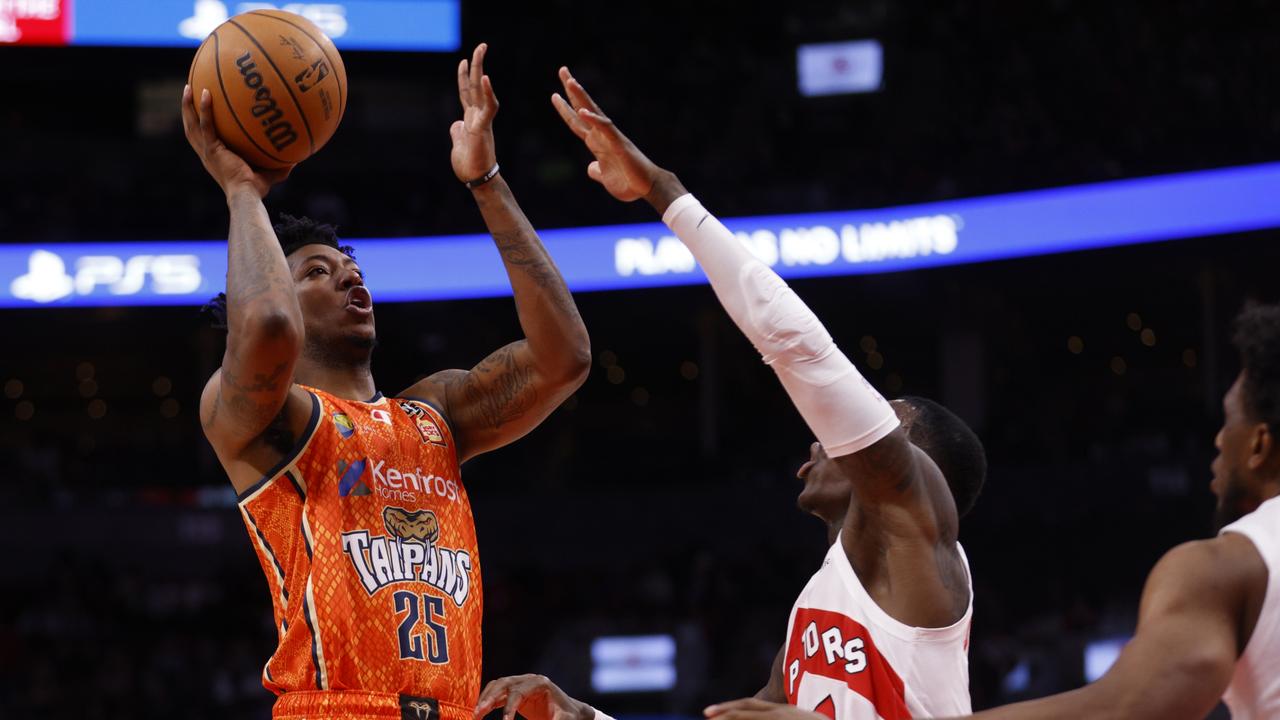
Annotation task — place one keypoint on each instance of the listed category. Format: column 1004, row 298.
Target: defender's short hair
column 953, row 446
column 1257, row 337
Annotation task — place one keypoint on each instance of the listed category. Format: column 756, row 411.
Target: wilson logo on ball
column 279, row 132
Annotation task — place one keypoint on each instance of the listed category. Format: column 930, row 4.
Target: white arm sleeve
column 844, row 412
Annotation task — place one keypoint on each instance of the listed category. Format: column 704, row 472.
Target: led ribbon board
column 627, row 257
column 425, row 25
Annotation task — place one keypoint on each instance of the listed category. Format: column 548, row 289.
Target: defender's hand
column 619, row 165
column 473, row 152
column 754, row 709
column 533, row 696
column 228, row 169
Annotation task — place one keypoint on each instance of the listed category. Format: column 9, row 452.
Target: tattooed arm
column 515, row 388
column 264, row 322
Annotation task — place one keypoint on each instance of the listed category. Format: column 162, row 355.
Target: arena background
column 660, row 499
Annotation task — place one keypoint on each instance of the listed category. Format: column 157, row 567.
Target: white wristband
column 600, row 715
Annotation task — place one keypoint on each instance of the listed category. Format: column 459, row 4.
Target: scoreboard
column 405, row 25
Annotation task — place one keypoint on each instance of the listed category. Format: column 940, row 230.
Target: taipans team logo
column 427, row 427
column 421, row 525
column 409, row 552
column 346, row 428
column 350, row 482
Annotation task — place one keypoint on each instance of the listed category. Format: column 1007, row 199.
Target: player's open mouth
column 359, row 300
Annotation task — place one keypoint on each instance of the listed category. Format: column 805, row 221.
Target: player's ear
column 1263, row 451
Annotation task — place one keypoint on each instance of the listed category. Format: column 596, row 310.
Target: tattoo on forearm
column 500, row 389
column 520, row 248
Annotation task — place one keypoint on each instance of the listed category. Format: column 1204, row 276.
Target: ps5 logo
column 209, row 14
column 47, row 278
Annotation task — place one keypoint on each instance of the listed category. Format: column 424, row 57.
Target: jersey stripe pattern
column 366, row 538
column 845, row 658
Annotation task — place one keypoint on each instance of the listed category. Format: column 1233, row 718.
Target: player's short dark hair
column 292, row 233
column 952, row 445
column 1257, row 337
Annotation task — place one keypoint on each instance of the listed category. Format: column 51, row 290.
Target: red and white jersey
column 848, row 660
column 1254, row 692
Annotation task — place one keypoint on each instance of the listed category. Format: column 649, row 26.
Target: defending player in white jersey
column 1209, row 622
column 881, row 630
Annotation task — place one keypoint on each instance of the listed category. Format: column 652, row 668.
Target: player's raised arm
column 846, row 414
column 516, row 387
column 264, row 322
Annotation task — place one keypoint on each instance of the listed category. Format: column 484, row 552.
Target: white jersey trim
column 1262, row 540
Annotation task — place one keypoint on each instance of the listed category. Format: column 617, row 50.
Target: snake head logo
column 419, row 525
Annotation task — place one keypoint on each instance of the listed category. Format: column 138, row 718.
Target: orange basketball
column 278, row 84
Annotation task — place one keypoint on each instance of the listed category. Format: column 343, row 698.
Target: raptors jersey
column 1254, row 692
column 848, row 660
column 366, row 537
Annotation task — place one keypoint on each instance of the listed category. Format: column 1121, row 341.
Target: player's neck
column 353, row 382
column 833, row 531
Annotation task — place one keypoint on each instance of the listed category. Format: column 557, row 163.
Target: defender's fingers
column 580, row 97
column 514, row 698
column 601, row 124
column 570, row 117
column 743, row 704
column 490, row 98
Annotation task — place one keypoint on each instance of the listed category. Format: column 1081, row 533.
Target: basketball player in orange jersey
column 354, row 501
column 881, row 630
column 1209, row 620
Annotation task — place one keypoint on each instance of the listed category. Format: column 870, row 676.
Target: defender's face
column 827, row 491
column 1231, row 471
column 335, row 303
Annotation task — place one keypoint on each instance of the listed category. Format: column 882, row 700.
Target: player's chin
column 362, row 334
column 806, row 501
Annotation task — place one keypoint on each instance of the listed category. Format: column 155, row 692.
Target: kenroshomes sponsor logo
column 410, row 487
column 209, row 14
column 813, row 245
column 47, row 279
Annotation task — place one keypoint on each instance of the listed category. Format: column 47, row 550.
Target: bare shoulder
column 435, row 388
column 1225, row 573
column 245, row 459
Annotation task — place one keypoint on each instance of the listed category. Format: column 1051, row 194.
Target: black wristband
column 473, row 184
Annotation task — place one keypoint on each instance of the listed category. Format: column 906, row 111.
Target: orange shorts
column 360, row 705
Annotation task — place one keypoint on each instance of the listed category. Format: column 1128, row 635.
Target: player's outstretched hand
column 534, row 696
column 228, row 169
column 473, row 152
column 619, row 165
column 755, row 709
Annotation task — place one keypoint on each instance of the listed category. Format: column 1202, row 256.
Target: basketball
column 278, row 84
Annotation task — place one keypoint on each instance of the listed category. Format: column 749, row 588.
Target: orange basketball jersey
column 366, row 537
